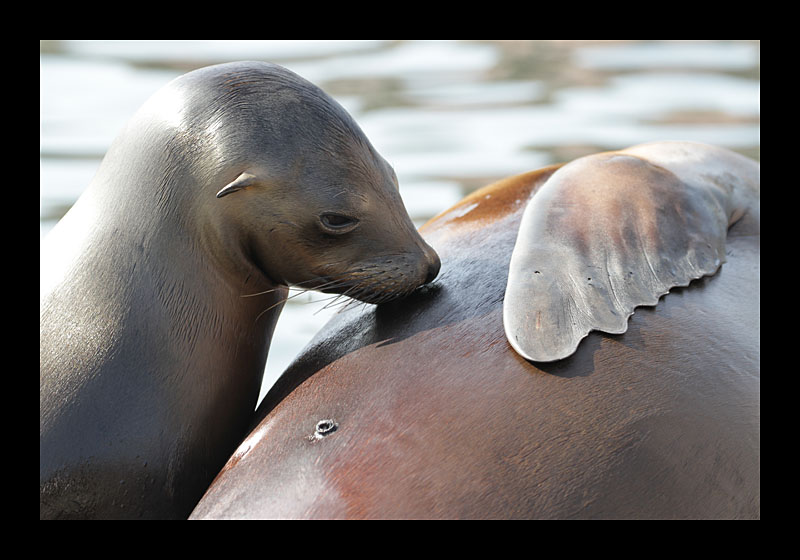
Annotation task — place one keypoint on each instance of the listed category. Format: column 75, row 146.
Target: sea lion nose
column 434, row 264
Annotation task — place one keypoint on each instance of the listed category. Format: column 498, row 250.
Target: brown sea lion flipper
column 617, row 230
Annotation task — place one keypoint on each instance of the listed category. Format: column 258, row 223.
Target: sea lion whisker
column 262, row 293
column 348, row 303
column 360, row 292
column 328, row 284
column 270, row 307
column 333, row 303
column 282, row 301
column 297, row 287
column 291, row 287
column 327, row 299
column 351, row 302
column 349, row 294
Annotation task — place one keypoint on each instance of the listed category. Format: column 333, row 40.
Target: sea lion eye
column 337, row 223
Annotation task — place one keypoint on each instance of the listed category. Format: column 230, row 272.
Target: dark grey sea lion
column 233, row 180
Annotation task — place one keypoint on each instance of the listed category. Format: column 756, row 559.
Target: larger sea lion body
column 233, row 180
column 428, row 412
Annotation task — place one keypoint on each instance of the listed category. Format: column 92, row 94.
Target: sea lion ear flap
column 603, row 235
column 244, row 180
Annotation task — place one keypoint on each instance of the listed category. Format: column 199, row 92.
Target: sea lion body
column 161, row 287
column 437, row 417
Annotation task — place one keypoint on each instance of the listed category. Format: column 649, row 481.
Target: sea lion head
column 300, row 193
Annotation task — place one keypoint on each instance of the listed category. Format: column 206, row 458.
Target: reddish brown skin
column 439, row 418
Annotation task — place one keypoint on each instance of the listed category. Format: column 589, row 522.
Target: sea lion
column 425, row 410
column 161, row 287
